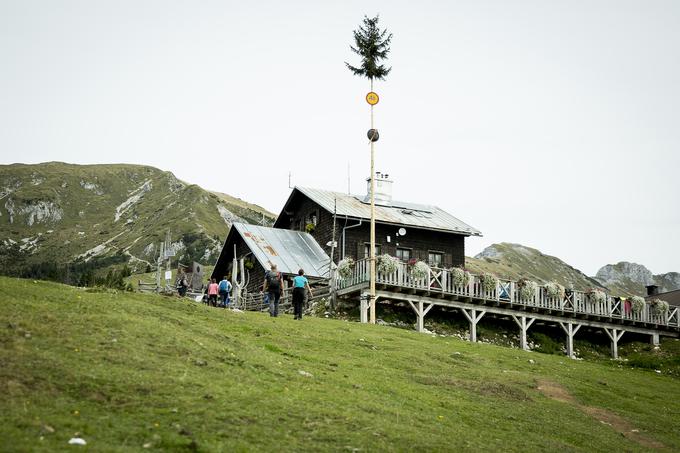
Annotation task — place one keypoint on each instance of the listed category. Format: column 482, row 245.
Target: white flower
column 420, row 270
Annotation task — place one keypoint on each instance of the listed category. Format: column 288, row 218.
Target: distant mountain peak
column 515, row 261
column 631, row 278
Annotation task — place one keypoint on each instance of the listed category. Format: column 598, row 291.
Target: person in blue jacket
column 225, row 290
column 300, row 285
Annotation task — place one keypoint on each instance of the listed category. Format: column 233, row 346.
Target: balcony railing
column 506, row 291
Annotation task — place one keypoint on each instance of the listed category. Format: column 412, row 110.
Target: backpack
column 273, row 282
column 224, row 286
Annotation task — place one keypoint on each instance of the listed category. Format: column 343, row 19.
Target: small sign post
column 372, row 98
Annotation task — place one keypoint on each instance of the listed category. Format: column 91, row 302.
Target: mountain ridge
column 104, row 214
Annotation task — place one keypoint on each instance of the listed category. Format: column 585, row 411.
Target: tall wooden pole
column 372, row 245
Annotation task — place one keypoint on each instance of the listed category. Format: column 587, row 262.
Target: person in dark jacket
column 300, row 285
column 273, row 286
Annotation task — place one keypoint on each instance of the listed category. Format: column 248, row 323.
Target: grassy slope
column 252, row 210
column 125, row 370
column 514, row 261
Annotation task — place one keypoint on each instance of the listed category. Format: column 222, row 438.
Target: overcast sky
column 550, row 124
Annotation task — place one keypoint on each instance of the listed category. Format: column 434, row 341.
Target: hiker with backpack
column 224, row 290
column 273, row 286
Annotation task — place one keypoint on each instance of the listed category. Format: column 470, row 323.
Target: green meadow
column 136, row 372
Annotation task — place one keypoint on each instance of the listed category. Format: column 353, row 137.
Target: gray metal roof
column 398, row 213
column 289, row 250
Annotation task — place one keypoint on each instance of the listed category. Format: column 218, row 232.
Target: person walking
column 300, row 285
column 182, row 285
column 224, row 289
column 213, row 289
column 273, row 286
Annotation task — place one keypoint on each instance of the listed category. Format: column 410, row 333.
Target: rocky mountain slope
column 631, row 278
column 515, row 261
column 107, row 214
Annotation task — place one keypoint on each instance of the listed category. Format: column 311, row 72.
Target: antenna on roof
column 289, row 186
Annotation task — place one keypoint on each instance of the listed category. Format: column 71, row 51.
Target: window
column 435, row 259
column 298, row 225
column 367, row 250
column 403, row 254
column 313, row 217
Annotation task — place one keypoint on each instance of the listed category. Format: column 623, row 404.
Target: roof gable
column 397, row 212
column 289, row 250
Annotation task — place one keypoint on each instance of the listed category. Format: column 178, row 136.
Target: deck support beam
column 473, row 316
column 523, row 327
column 654, row 339
column 570, row 329
column 418, row 307
column 364, row 307
column 614, row 335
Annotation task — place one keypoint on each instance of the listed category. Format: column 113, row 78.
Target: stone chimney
column 383, row 189
column 652, row 290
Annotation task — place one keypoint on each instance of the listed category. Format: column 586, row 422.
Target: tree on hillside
column 372, row 45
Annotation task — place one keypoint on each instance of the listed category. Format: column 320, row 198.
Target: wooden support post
column 523, row 327
column 420, row 314
column 614, row 335
column 570, row 329
column 473, row 318
column 655, row 339
column 363, row 308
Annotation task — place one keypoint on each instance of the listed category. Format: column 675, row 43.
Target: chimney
column 652, row 290
column 383, row 189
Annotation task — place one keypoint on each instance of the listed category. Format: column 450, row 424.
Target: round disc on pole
column 372, row 98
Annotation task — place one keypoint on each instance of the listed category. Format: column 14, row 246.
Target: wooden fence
column 439, row 281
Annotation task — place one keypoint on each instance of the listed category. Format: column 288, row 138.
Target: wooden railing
column 577, row 302
column 255, row 301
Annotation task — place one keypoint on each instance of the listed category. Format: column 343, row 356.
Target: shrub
column 527, row 288
column 637, row 304
column 554, row 290
column 420, row 270
column 459, row 276
column 345, row 267
column 488, row 281
column 386, row 264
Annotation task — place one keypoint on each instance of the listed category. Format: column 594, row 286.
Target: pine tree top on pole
column 372, row 45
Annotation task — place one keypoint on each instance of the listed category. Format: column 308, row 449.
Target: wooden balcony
column 438, row 286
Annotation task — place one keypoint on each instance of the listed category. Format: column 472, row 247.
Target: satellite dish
column 402, row 231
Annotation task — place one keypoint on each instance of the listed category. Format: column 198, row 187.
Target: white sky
column 551, row 124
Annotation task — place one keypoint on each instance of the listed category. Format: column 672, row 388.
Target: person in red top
column 213, row 289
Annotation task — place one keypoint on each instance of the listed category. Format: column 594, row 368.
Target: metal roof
column 397, row 212
column 289, row 250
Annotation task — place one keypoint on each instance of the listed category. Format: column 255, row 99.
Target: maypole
column 372, row 45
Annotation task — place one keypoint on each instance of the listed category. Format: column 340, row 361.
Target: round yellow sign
column 372, row 98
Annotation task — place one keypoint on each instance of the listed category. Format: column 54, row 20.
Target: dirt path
column 619, row 424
